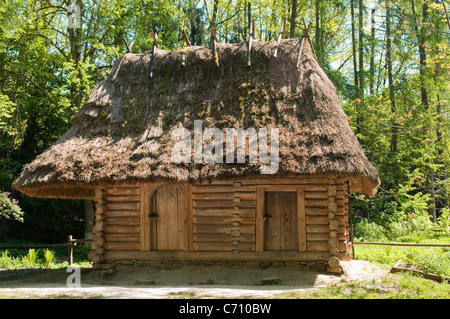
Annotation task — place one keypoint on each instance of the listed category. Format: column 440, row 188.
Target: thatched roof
column 123, row 132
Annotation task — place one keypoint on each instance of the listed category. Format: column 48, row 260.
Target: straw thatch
column 123, row 132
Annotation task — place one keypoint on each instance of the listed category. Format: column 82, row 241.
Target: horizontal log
column 121, row 237
column 121, row 245
column 122, row 221
column 317, row 246
column 284, row 181
column 323, row 203
column 243, row 238
column 317, row 220
column 314, row 229
column 321, row 194
column 224, row 220
column 124, row 229
column 243, row 212
column 223, row 203
column 121, row 213
column 216, row 256
column 324, row 236
column 245, row 195
column 196, row 189
column 225, row 195
column 123, row 191
column 414, row 269
column 219, row 229
column 223, row 246
column 318, row 237
column 220, row 196
column 315, row 211
column 123, row 206
column 123, row 198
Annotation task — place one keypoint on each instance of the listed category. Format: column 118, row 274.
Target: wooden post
column 186, row 39
column 350, row 218
column 253, row 29
column 301, row 215
column 213, row 34
column 250, row 39
column 305, row 34
column 128, row 46
column 70, row 250
column 280, row 36
column 155, row 41
column 155, row 46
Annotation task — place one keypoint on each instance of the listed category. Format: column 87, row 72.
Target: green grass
column 434, row 260
column 398, row 286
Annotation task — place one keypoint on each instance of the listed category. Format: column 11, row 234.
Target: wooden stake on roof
column 186, row 39
column 305, row 35
column 309, row 39
column 128, row 46
column 280, row 36
column 155, row 41
column 155, row 46
column 250, row 38
column 213, row 34
column 253, row 28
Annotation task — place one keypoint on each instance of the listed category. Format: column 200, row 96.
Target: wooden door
column 167, row 219
column 281, row 221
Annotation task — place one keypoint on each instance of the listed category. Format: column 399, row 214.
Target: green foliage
column 399, row 286
column 429, row 259
column 366, row 230
column 9, row 208
column 49, row 257
column 443, row 220
column 30, row 259
column 41, row 258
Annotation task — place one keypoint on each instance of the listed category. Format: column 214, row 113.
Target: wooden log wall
column 117, row 224
column 228, row 212
column 224, row 217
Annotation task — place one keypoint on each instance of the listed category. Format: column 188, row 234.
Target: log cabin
column 149, row 207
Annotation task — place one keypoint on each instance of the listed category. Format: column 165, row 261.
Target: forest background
column 389, row 61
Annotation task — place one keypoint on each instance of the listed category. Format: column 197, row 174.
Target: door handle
column 153, row 214
column 266, row 216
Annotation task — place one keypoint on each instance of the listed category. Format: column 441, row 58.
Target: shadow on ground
column 178, row 280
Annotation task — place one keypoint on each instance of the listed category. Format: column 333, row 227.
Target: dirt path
column 254, row 280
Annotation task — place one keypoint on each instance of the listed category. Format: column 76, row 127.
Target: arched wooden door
column 167, row 219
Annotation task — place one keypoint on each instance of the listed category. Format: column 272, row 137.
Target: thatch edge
column 78, row 190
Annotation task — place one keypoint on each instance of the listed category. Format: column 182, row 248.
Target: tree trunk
column 394, row 138
column 421, row 39
column 249, row 18
column 372, row 51
column 361, row 50
column 293, row 18
column 355, row 64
